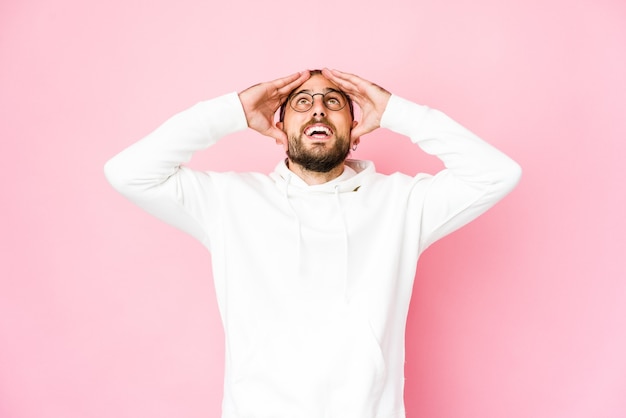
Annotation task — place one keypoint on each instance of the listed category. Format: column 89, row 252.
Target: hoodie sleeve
column 151, row 173
column 476, row 175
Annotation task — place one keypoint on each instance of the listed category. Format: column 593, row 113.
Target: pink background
column 106, row 312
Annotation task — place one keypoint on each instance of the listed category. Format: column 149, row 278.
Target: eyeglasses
column 333, row 100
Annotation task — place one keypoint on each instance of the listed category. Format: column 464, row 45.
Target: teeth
column 317, row 129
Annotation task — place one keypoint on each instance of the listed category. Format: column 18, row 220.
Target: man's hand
column 372, row 99
column 261, row 101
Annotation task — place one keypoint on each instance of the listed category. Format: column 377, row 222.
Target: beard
column 318, row 158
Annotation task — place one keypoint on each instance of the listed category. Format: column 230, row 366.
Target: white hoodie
column 313, row 282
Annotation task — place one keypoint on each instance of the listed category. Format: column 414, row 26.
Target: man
column 313, row 264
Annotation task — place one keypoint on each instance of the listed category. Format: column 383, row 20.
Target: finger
column 283, row 81
column 359, row 84
column 353, row 86
column 287, row 84
column 357, row 132
column 332, row 76
column 344, row 79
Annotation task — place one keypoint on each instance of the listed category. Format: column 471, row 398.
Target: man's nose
column 319, row 108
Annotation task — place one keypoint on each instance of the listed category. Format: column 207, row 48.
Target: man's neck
column 313, row 178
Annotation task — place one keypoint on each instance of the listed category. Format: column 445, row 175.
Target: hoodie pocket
column 330, row 365
column 360, row 371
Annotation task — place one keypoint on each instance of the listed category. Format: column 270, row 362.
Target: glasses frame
column 345, row 97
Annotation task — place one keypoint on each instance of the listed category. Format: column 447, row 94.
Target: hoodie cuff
column 222, row 115
column 403, row 116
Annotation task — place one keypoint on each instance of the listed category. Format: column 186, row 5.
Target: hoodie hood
column 349, row 181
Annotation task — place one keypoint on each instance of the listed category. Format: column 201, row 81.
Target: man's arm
column 476, row 176
column 151, row 172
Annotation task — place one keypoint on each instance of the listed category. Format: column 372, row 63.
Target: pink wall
column 106, row 312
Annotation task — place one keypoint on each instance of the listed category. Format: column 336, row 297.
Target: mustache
column 320, row 119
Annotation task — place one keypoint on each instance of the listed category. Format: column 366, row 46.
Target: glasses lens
column 302, row 102
column 334, row 100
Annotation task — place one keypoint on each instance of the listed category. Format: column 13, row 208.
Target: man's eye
column 333, row 101
column 303, row 101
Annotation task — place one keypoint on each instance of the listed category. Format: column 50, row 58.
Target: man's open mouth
column 318, row 131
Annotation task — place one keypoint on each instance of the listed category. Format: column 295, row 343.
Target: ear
column 284, row 142
column 355, row 141
column 279, row 125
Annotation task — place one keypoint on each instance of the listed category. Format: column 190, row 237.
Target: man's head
column 317, row 118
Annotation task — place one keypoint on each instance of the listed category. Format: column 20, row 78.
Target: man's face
column 319, row 138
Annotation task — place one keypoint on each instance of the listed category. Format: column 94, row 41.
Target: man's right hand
column 261, row 101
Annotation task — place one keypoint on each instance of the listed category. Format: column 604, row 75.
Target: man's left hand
column 371, row 98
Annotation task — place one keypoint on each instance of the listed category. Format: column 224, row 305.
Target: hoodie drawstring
column 296, row 261
column 346, row 244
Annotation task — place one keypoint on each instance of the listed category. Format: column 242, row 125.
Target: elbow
column 515, row 172
column 116, row 175
column 510, row 176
